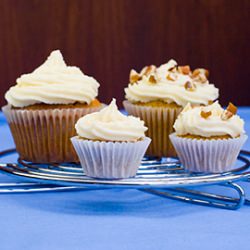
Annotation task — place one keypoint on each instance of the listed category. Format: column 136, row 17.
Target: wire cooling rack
column 164, row 177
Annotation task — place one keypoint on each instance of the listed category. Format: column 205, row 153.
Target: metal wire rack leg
column 202, row 198
column 247, row 179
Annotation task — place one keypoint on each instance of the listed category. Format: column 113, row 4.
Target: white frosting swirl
column 110, row 125
column 171, row 91
column 53, row 83
column 191, row 122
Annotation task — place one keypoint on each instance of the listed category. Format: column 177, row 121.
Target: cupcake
column 208, row 139
column 44, row 106
column 158, row 95
column 109, row 144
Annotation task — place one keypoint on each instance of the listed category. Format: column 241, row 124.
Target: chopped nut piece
column 200, row 71
column 152, row 79
column 210, row 102
column 171, row 77
column 226, row 115
column 134, row 76
column 195, row 73
column 202, row 78
column 148, row 70
column 200, row 75
column 229, row 112
column 190, row 86
column 206, row 72
column 231, row 108
column 205, row 114
column 184, row 69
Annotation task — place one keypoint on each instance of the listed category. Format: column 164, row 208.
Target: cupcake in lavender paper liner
column 208, row 139
column 158, row 95
column 109, row 144
column 44, row 106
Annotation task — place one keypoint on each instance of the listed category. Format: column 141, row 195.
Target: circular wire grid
column 153, row 172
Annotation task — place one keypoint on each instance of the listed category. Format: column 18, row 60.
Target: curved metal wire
column 165, row 177
column 166, row 173
column 201, row 198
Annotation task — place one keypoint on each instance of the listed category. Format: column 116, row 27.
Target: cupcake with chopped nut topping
column 44, row 106
column 158, row 95
column 109, row 144
column 208, row 139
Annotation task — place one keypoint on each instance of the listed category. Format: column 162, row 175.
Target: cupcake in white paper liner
column 110, row 160
column 208, row 156
column 44, row 106
column 208, row 139
column 44, row 135
column 109, row 144
column 158, row 94
column 160, row 121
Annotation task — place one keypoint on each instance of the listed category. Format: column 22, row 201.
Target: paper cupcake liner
column 43, row 136
column 110, row 160
column 160, row 121
column 209, row 156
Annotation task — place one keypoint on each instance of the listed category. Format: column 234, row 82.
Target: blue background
column 117, row 219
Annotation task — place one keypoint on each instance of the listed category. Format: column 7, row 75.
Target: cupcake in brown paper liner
column 110, row 145
column 44, row 106
column 208, row 139
column 158, row 95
